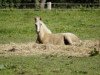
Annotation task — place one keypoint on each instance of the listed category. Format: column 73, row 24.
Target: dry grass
column 87, row 48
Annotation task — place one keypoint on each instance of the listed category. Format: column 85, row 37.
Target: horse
column 45, row 36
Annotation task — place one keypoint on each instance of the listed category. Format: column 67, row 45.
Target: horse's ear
column 40, row 18
column 37, row 18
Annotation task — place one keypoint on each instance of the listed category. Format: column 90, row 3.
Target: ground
column 86, row 48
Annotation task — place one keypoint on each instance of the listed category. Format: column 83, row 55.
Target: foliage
column 54, row 1
column 22, row 3
column 76, row 1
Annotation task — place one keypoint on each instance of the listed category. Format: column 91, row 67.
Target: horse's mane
column 46, row 29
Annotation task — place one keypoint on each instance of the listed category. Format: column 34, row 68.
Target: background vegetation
column 41, row 3
column 53, row 1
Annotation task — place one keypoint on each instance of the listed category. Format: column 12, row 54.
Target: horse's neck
column 44, row 31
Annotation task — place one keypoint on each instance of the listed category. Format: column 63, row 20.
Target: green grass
column 49, row 65
column 18, row 25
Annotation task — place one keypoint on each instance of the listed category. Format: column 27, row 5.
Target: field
column 17, row 37
column 18, row 25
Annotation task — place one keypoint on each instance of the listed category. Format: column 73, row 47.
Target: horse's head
column 38, row 24
column 41, row 26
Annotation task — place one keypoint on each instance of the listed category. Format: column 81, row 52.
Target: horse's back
column 55, row 39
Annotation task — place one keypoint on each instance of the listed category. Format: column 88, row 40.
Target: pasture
column 17, row 27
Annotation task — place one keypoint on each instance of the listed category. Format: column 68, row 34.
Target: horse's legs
column 38, row 40
column 68, row 40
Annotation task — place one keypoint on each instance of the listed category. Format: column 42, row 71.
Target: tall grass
column 18, row 25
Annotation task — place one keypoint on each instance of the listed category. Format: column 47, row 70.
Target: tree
column 37, row 4
column 42, row 4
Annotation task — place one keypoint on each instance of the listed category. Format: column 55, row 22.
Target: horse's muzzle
column 38, row 32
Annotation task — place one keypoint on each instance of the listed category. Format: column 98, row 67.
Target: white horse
column 45, row 36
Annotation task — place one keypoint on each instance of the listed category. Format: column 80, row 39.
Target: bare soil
column 86, row 48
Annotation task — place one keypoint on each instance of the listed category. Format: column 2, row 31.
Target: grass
column 18, row 25
column 49, row 65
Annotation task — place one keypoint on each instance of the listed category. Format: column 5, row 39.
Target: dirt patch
column 87, row 48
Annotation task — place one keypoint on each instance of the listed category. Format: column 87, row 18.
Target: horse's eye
column 35, row 25
column 40, row 24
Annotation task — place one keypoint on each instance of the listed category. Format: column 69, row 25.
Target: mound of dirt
column 87, row 48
